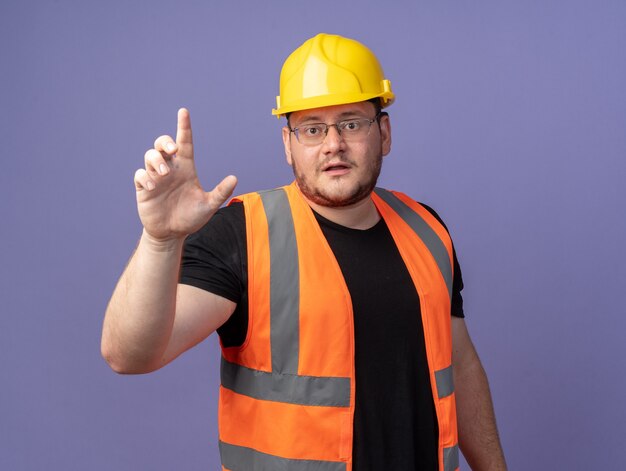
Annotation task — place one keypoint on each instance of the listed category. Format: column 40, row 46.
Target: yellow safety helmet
column 330, row 70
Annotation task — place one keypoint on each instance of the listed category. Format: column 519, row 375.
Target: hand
column 170, row 199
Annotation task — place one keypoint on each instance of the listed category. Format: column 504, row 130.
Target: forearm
column 478, row 434
column 140, row 315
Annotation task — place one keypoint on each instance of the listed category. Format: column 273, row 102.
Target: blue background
column 510, row 121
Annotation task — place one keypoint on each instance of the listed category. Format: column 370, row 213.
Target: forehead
column 329, row 114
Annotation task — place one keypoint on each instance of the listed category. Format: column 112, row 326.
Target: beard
column 326, row 197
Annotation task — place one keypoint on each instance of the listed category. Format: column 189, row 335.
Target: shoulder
column 388, row 196
column 227, row 221
column 231, row 214
column 434, row 213
column 221, row 237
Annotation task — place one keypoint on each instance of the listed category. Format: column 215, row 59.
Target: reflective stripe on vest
column 284, row 283
column 445, row 383
column 237, row 458
column 451, row 458
column 291, row 389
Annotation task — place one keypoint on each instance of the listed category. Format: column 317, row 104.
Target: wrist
column 155, row 244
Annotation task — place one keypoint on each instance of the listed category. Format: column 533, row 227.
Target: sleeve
column 457, row 281
column 214, row 257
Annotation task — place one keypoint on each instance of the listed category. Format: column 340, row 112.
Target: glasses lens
column 311, row 133
column 354, row 128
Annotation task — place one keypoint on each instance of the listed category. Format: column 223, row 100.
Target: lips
column 335, row 166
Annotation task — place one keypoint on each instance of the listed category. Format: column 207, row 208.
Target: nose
column 333, row 140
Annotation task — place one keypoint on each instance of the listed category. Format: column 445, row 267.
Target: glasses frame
column 327, row 127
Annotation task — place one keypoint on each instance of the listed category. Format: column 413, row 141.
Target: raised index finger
column 183, row 132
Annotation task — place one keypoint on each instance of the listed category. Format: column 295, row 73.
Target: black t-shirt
column 395, row 423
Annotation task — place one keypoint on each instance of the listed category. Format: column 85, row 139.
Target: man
column 337, row 303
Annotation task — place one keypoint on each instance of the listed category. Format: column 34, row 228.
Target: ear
column 385, row 134
column 287, row 144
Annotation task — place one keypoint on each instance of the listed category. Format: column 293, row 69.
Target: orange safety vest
column 287, row 394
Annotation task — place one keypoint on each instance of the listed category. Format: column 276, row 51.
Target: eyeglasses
column 350, row 130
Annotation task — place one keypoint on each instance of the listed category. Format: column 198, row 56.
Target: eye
column 350, row 125
column 312, row 130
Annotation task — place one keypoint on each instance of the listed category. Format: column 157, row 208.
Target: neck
column 360, row 215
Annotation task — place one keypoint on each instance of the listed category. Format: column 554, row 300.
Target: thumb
column 221, row 192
